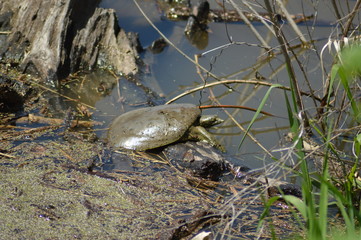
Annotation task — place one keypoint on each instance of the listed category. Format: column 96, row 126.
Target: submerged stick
column 7, row 155
column 56, row 121
column 57, row 93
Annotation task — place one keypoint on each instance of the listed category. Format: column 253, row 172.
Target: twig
column 11, row 135
column 338, row 15
column 259, row 16
column 351, row 17
column 56, row 121
column 232, row 118
column 291, row 22
column 172, row 44
column 7, row 155
column 251, row 81
column 291, row 72
column 235, row 106
column 254, row 139
column 249, row 24
column 57, row 93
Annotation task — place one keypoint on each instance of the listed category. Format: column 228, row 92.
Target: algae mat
column 51, row 189
column 44, row 194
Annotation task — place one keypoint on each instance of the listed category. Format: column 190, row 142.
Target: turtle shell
column 152, row 127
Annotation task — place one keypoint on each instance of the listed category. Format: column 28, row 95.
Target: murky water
column 169, row 73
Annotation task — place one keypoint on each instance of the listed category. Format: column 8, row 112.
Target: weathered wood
column 55, row 38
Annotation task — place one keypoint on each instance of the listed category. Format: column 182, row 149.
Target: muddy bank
column 48, row 193
column 56, row 189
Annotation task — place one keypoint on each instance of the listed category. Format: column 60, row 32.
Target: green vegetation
column 323, row 189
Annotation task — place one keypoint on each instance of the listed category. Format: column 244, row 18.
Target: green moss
column 41, row 198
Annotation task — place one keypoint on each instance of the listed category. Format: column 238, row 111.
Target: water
column 169, row 73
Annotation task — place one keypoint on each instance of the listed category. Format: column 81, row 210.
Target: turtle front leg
column 199, row 133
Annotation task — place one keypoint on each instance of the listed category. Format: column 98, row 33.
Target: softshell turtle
column 153, row 127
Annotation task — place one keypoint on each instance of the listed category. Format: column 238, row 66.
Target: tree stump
column 55, row 38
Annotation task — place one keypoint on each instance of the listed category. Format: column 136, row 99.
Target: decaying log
column 55, row 38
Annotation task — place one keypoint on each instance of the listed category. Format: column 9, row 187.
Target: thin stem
column 249, row 24
column 250, row 81
column 172, row 44
column 291, row 22
column 284, row 48
column 351, row 17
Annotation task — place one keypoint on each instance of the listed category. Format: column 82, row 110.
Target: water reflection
column 172, row 74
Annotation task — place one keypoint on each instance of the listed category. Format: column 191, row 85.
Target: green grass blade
column 345, row 84
column 323, row 204
column 265, row 212
column 259, row 109
column 298, row 203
